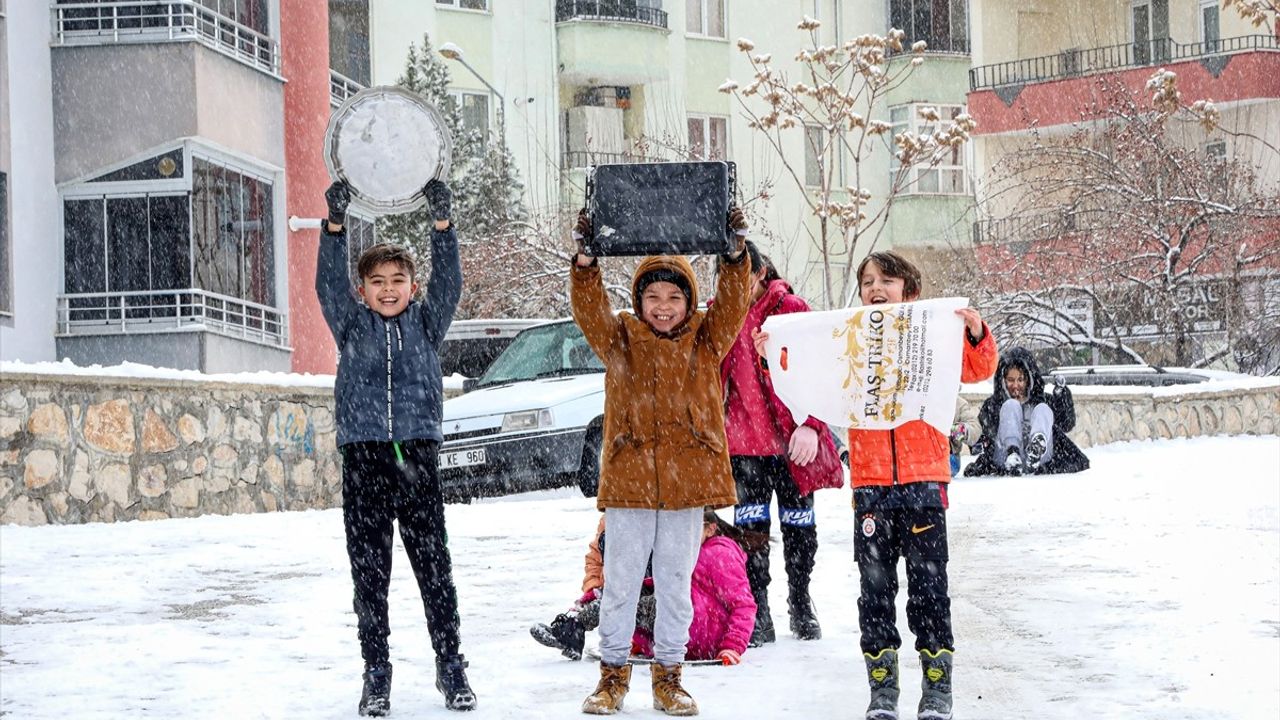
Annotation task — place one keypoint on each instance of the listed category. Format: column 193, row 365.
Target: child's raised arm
column 333, row 280
column 445, row 286
column 733, row 291
column 980, row 356
column 587, row 297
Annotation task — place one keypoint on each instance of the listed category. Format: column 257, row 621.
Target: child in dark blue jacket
column 388, row 406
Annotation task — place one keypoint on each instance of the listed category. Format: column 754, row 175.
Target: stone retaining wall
column 77, row 448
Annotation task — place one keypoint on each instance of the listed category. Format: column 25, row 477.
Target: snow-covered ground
column 1147, row 587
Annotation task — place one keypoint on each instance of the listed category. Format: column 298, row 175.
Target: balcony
column 610, row 11
column 1075, row 62
column 1053, row 90
column 341, row 88
column 575, row 159
column 608, row 42
column 148, row 21
column 161, row 311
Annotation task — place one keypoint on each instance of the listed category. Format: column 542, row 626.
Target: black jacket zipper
column 893, row 455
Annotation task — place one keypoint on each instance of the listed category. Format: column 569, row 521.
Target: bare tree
column 835, row 102
column 1115, row 237
column 1261, row 13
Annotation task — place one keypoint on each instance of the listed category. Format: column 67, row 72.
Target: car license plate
column 462, row 458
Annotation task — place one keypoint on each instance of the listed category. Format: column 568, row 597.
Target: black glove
column 582, row 229
column 338, row 196
column 737, row 223
column 1059, row 381
column 440, row 198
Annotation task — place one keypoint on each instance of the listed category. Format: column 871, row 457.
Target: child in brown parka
column 664, row 456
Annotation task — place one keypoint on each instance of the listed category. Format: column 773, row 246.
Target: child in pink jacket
column 724, row 611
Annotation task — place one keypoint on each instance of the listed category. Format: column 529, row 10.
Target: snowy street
column 1146, row 587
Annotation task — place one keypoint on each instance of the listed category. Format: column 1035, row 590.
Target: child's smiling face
column 875, row 288
column 663, row 306
column 388, row 289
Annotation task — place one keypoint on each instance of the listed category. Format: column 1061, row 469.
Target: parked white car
column 532, row 420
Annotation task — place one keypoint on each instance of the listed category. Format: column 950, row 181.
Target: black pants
column 882, row 536
column 376, row 491
column 758, row 479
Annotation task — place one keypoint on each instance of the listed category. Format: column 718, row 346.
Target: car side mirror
column 469, row 384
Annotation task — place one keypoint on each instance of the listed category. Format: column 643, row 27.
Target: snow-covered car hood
column 526, row 395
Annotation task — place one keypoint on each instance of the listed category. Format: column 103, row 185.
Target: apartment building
column 1041, row 71
column 574, row 83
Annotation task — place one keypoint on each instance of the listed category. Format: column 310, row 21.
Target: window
column 948, row 177
column 349, row 39
column 251, row 13
column 361, row 235
column 1210, row 33
column 466, row 4
column 704, row 17
column 708, row 138
column 134, row 243
column 817, row 157
column 6, row 277
column 232, row 233
column 943, row 24
column 1149, row 30
column 475, row 112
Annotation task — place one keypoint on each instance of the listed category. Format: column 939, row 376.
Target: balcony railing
column 587, row 158
column 1076, row 62
column 149, row 21
column 341, row 87
column 156, row 311
column 612, row 10
column 1041, row 225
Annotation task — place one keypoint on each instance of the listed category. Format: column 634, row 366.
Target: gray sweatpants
column 673, row 536
column 1013, row 420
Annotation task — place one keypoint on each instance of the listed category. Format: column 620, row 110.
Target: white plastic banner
column 873, row 367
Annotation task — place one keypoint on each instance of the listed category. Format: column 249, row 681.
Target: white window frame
column 705, row 120
column 458, row 94
column 456, row 5
column 838, row 181
column 1214, row 5
column 916, row 124
column 701, row 31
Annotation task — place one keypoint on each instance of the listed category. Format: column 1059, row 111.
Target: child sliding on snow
column 664, row 456
column 723, row 607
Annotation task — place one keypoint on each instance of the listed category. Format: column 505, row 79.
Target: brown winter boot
column 668, row 695
column 607, row 699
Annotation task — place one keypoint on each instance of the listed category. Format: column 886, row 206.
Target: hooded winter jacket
column 388, row 386
column 757, row 422
column 915, row 451
column 663, row 444
column 724, row 611
column 1067, row 456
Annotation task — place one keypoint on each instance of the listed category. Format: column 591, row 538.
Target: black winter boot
column 882, row 674
column 564, row 633
column 451, row 681
column 935, row 700
column 804, row 621
column 375, row 698
column 763, row 632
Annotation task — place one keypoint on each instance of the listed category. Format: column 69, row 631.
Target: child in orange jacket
column 899, row 480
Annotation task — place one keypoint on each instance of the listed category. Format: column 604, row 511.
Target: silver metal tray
column 386, row 143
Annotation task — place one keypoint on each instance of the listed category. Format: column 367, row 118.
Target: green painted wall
column 473, row 32
column 706, row 68
column 942, row 79
column 611, row 54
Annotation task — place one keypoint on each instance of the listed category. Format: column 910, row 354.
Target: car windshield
column 544, row 351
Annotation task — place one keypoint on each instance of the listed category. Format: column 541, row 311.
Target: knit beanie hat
column 663, row 274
